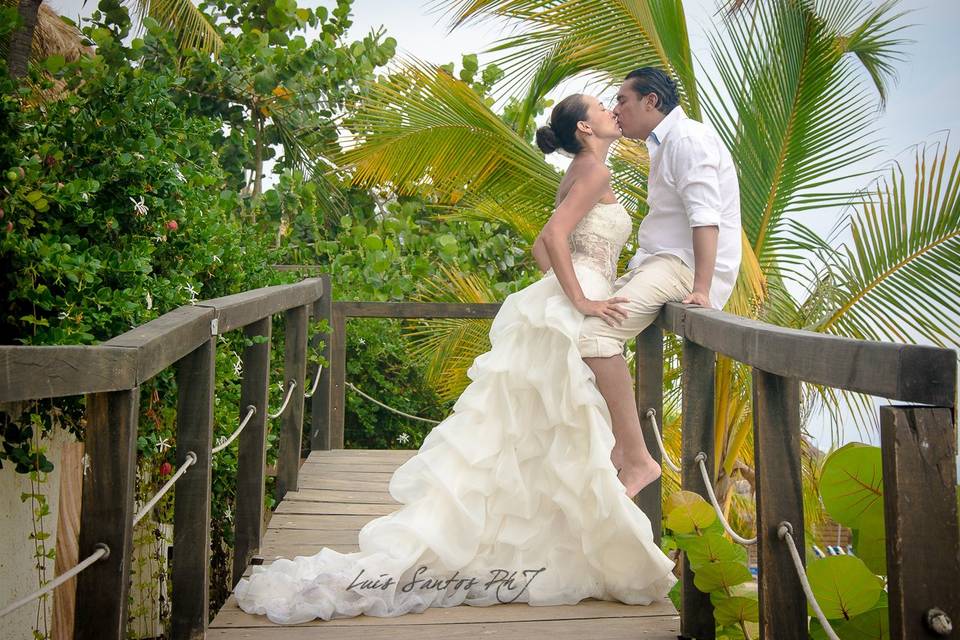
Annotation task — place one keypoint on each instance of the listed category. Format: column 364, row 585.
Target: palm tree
column 42, row 32
column 797, row 87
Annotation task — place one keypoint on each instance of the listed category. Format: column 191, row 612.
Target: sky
column 922, row 105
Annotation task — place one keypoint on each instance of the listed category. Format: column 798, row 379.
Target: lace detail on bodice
column 599, row 237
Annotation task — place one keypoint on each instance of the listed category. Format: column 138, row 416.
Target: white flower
column 361, row 340
column 63, row 315
column 138, row 155
column 163, row 445
column 159, row 238
column 280, row 385
column 179, row 175
column 228, row 514
column 217, row 259
column 221, row 440
column 190, row 291
column 139, row 209
column 149, row 301
column 402, row 438
column 238, row 365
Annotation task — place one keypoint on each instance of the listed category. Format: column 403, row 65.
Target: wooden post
column 106, row 516
column 252, row 453
column 338, row 372
column 291, row 429
column 649, row 395
column 919, row 447
column 191, row 506
column 68, row 531
column 699, row 366
column 320, row 402
column 779, row 491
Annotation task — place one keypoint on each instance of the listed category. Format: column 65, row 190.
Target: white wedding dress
column 513, row 497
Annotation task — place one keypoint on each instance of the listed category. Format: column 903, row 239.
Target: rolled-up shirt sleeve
column 695, row 169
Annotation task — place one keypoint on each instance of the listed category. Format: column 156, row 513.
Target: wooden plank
column 307, row 541
column 354, row 470
column 241, row 309
column 333, row 495
column 345, row 484
column 632, row 628
column 280, row 549
column 320, row 401
column 699, row 366
column 361, row 456
column 912, row 373
column 68, row 533
column 316, row 473
column 919, row 449
column 163, row 341
column 232, row 617
column 28, row 373
column 649, row 395
column 190, row 578
column 417, row 309
column 779, row 492
column 320, row 522
column 294, row 372
column 338, row 372
column 252, row 448
column 293, row 507
column 106, row 515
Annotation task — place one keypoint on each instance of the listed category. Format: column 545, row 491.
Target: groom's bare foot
column 637, row 476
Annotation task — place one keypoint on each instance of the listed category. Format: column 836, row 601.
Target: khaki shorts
column 657, row 280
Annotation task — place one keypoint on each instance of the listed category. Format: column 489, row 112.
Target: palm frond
column 450, row 345
column 603, row 39
column 897, row 278
column 192, row 26
column 422, row 129
column 798, row 112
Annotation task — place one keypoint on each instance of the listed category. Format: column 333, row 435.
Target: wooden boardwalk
column 343, row 489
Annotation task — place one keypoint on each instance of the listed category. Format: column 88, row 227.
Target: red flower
column 166, row 469
column 172, row 225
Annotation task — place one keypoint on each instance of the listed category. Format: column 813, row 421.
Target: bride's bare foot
column 637, row 476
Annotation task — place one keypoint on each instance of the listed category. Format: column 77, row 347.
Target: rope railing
column 286, row 400
column 785, row 533
column 316, row 383
column 233, row 436
column 701, row 461
column 652, row 416
column 102, row 551
column 182, row 469
column 389, row 408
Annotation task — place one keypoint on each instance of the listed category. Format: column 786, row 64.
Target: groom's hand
column 697, row 297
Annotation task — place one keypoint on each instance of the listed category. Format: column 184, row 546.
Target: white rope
column 652, row 415
column 191, row 459
column 233, row 436
column 102, row 551
column 701, row 460
column 389, row 408
column 286, row 401
column 316, row 383
column 785, row 532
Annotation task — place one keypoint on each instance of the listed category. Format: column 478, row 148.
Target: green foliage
column 852, row 484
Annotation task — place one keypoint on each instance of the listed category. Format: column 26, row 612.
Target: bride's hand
column 608, row 310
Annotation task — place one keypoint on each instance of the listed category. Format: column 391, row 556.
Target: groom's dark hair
column 652, row 80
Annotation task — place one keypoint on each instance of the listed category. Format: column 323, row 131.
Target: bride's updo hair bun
column 561, row 132
column 547, row 139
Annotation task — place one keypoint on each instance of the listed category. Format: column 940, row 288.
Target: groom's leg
column 660, row 279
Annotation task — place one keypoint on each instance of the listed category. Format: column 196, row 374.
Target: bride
column 513, row 497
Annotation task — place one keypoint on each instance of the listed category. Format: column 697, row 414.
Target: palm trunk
column 21, row 40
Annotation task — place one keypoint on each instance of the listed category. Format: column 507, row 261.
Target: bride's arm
column 584, row 193
column 540, row 254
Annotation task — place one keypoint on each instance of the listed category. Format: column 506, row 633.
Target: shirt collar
column 660, row 132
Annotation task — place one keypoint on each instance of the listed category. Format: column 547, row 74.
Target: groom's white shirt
column 692, row 183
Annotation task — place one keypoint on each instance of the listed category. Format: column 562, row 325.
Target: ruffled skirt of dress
column 512, row 498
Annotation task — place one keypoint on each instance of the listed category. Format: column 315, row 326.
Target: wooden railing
column 110, row 374
column 918, row 442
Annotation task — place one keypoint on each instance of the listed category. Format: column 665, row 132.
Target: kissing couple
column 538, row 462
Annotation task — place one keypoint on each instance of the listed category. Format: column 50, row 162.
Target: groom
column 688, row 248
